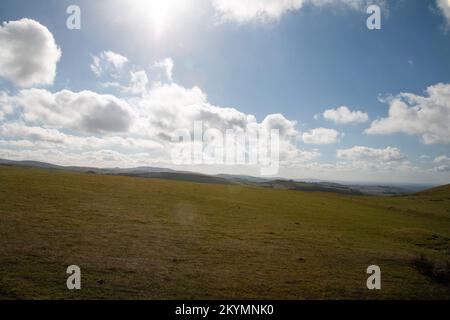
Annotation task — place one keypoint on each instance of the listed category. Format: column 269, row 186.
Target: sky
column 350, row 103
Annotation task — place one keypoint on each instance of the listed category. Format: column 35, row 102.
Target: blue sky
column 298, row 62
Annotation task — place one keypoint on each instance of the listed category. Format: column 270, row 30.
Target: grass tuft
column 438, row 271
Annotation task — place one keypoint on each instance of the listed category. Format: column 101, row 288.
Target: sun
column 159, row 14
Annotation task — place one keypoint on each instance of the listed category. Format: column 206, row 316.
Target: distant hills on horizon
column 275, row 183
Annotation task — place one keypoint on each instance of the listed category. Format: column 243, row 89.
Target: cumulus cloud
column 424, row 116
column 444, row 7
column 108, row 62
column 21, row 131
column 389, row 154
column 84, row 111
column 290, row 156
column 272, row 10
column 5, row 105
column 101, row 158
column 374, row 159
column 20, row 135
column 28, row 53
column 285, row 127
column 91, row 129
column 343, row 115
column 138, row 82
column 442, row 164
column 167, row 66
column 168, row 108
column 243, row 11
column 141, row 123
column 321, row 136
column 165, row 108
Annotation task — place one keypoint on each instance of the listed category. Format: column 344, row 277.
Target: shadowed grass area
column 155, row 239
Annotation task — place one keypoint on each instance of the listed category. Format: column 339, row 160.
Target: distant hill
column 180, row 176
column 278, row 183
column 442, row 191
column 242, row 178
column 27, row 163
column 44, row 165
column 310, row 187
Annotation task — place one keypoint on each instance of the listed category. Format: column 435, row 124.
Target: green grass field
column 152, row 239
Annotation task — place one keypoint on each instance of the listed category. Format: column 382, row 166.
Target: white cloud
column 290, row 156
column 108, row 62
column 5, row 105
column 101, row 158
column 321, row 136
column 272, row 10
column 442, row 164
column 285, row 127
column 243, row 11
column 167, row 65
column 85, row 111
column 441, row 159
column 389, row 154
column 343, row 115
column 165, row 108
column 424, row 116
column 140, row 123
column 138, row 82
column 365, row 158
column 21, row 134
column 90, row 129
column 444, row 7
column 28, row 53
column 21, row 131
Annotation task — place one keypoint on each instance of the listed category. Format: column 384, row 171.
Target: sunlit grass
column 154, row 239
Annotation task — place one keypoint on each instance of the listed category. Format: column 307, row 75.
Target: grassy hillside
column 155, row 239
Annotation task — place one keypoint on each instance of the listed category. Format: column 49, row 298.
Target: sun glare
column 159, row 14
